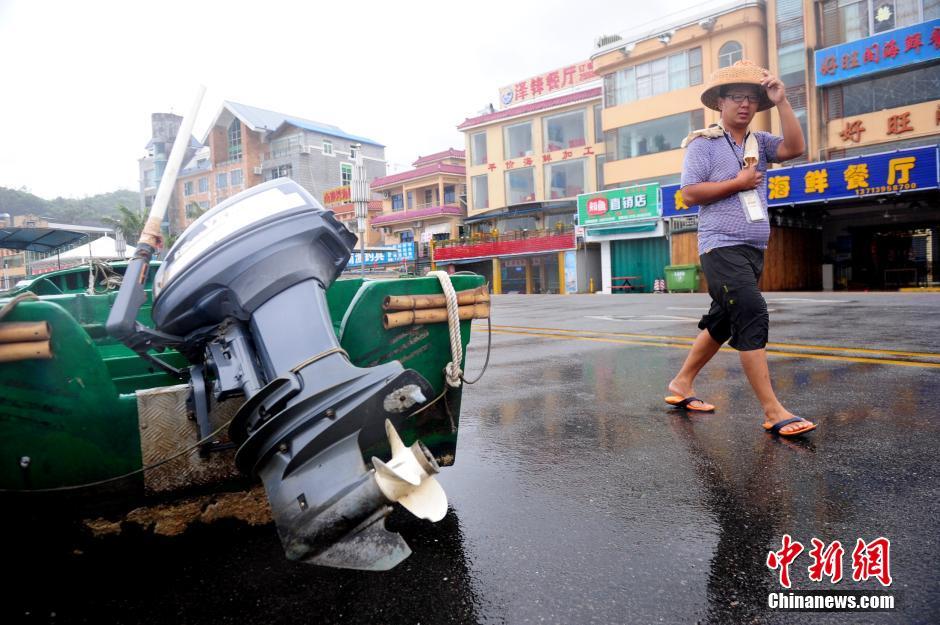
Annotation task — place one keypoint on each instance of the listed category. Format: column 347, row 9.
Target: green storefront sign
column 617, row 206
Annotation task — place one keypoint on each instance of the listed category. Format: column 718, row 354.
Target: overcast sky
column 81, row 77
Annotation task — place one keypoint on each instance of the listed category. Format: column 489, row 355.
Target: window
column 353, row 152
column 450, row 194
column 188, row 188
column 792, row 62
column 890, row 91
column 235, row 141
column 149, row 179
column 730, row 53
column 478, row 148
column 564, row 179
column 848, row 20
column 345, row 174
column 515, row 224
column 398, row 203
column 658, row 76
column 598, row 125
column 518, row 140
column 283, row 171
column 559, row 222
column 650, row 137
column 406, row 236
column 564, row 131
column 221, row 180
column 481, row 191
column 204, row 184
column 411, row 200
column 599, row 161
column 428, row 197
column 237, row 177
column 327, row 147
column 520, row 185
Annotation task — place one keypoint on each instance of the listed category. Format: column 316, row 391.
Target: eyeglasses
column 741, row 97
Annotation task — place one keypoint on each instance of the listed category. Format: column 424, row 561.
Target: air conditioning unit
column 257, row 170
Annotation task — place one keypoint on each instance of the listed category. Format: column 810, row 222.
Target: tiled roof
column 427, row 170
column 417, row 214
column 515, row 111
column 342, row 209
column 439, row 156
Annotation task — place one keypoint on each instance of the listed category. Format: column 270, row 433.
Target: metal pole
column 359, row 194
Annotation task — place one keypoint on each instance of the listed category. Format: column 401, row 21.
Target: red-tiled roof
column 416, row 214
column 427, row 170
column 342, row 209
column 571, row 98
column 439, row 156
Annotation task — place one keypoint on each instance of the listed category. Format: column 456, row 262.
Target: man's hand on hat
column 774, row 87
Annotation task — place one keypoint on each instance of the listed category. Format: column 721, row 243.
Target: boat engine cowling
column 246, row 285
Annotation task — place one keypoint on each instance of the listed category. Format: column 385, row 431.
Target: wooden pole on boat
column 412, row 302
column 32, row 350
column 433, row 315
column 24, row 331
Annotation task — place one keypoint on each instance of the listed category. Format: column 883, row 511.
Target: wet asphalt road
column 578, row 496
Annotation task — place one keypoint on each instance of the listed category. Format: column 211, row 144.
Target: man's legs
column 702, row 351
column 758, row 374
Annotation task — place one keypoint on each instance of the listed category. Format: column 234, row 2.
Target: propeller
column 408, row 478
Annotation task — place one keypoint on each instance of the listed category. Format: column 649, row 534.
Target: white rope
column 452, row 371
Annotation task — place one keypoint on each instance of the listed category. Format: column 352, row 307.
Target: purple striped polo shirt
column 722, row 223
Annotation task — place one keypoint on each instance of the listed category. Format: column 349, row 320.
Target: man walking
column 724, row 173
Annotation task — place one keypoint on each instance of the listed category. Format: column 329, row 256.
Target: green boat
column 243, row 357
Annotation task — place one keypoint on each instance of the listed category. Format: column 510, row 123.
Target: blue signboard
column 401, row 253
column 901, row 171
column 879, row 53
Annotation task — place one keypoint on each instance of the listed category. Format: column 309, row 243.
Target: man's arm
column 793, row 143
column 708, row 192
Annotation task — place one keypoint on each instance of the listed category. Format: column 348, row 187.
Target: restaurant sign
column 336, row 195
column 547, row 83
column 617, row 206
column 901, row 171
column 883, row 52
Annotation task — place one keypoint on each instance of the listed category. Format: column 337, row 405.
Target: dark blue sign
column 879, row 53
column 889, row 173
column 402, row 252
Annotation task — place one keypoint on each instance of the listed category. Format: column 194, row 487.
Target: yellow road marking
column 689, row 340
column 856, row 359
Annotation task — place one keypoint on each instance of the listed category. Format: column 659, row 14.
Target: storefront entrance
column 542, row 274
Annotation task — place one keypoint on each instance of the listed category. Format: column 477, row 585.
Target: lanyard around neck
column 735, row 152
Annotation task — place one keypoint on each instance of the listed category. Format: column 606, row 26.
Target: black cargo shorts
column 738, row 311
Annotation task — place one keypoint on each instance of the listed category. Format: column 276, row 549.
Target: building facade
column 164, row 127
column 246, row 146
column 868, row 210
column 425, row 204
column 527, row 164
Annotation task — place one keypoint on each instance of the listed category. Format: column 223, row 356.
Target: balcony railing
column 482, row 245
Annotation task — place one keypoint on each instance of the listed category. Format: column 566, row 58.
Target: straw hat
column 741, row 73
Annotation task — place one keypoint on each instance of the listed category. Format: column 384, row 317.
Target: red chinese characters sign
column 339, row 195
column 546, row 83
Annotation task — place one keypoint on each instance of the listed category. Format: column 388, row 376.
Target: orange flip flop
column 775, row 428
column 686, row 403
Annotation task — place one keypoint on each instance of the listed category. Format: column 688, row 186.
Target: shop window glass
column 518, row 140
column 481, row 192
column 520, row 185
column 564, row 179
column 564, row 131
column 516, row 224
column 890, row 91
column 552, row 221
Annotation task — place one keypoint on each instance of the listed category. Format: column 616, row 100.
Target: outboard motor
column 245, row 287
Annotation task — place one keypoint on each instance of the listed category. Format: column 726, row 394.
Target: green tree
column 128, row 222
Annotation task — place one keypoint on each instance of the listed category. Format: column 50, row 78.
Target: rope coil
column 452, row 372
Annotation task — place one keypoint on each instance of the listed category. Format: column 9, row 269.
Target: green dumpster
column 682, row 278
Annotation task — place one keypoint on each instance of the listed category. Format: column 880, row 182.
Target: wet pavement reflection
column 578, row 496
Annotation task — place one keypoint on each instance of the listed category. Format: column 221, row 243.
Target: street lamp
column 359, row 194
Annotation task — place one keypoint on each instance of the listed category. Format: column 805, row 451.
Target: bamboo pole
column 31, row 350
column 414, row 302
column 23, row 331
column 433, row 315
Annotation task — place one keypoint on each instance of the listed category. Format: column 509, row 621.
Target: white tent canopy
column 103, row 248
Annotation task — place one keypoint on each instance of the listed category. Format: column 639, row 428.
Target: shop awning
column 38, row 239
